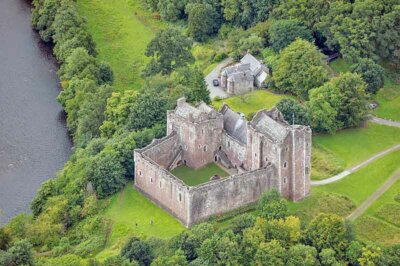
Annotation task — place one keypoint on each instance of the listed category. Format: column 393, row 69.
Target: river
column 34, row 142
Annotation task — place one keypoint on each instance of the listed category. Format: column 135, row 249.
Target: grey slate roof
column 234, row 124
column 273, row 129
column 241, row 76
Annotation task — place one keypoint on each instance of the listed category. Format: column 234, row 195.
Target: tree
column 328, row 231
column 370, row 255
column 172, row 10
column 46, row 190
column 107, row 173
column 169, row 50
column 137, row 250
column 43, row 15
column 341, row 102
column 284, row 32
column 327, row 257
column 196, row 88
column 299, row 69
column 272, row 206
column 253, row 44
column 80, row 65
column 21, row 253
column 371, row 73
column 302, row 255
column 221, row 250
column 106, row 74
column 5, row 239
column 291, row 108
column 241, row 222
column 178, row 259
column 119, row 261
column 252, row 238
column 353, row 253
column 202, row 21
column 271, row 253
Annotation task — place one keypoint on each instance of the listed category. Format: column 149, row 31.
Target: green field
column 193, row 177
column 121, row 30
column 132, row 213
column 381, row 222
column 361, row 184
column 251, row 102
column 388, row 97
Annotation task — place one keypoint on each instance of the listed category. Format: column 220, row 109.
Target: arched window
column 205, row 148
column 180, row 197
column 285, row 164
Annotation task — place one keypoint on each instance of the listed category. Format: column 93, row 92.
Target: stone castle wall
column 221, row 196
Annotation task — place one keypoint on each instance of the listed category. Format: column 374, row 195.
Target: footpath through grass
column 121, row 30
column 251, row 102
column 132, row 214
column 193, row 177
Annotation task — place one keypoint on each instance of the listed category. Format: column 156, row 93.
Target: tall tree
column 169, row 50
column 299, row 69
column 202, row 21
column 284, row 32
column 371, row 73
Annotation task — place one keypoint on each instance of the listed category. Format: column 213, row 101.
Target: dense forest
column 107, row 123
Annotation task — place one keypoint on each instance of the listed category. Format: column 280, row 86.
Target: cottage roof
column 259, row 70
column 241, row 76
column 235, row 124
column 235, row 68
column 275, row 129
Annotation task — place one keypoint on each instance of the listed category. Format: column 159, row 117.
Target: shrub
column 137, row 250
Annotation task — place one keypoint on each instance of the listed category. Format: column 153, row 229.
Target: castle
column 261, row 154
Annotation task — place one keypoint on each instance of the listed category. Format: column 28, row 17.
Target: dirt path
column 385, row 121
column 371, row 199
column 355, row 168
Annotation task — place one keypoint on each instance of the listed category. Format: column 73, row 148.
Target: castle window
column 205, row 148
column 180, row 197
column 285, row 180
column 151, row 180
column 286, row 148
column 219, row 148
column 306, row 170
column 160, row 184
column 255, row 155
column 199, row 146
column 266, row 159
column 229, row 144
column 140, row 173
column 285, row 164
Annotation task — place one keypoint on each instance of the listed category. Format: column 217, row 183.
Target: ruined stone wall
column 217, row 197
column 162, row 151
column 161, row 187
column 199, row 140
column 235, row 150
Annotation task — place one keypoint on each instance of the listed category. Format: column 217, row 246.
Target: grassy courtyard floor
column 121, row 30
column 251, row 102
column 131, row 214
column 193, row 177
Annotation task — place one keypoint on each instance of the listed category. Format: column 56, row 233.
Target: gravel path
column 355, row 168
column 217, row 91
column 364, row 206
column 385, row 121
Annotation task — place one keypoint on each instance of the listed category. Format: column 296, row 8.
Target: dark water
column 34, row 143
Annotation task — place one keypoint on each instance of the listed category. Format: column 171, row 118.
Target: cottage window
column 285, row 164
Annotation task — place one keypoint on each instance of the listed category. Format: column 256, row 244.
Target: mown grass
column 360, row 185
column 252, row 102
column 132, row 214
column 193, row 177
column 352, row 146
column 121, row 30
column 381, row 221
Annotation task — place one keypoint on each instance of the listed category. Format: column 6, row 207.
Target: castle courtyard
column 194, row 177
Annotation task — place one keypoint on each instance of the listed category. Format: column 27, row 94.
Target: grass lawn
column 388, row 97
column 193, row 177
column 361, row 184
column 352, row 146
column 131, row 213
column 381, row 222
column 251, row 102
column 121, row 30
